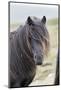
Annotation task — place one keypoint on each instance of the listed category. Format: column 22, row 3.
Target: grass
column 53, row 21
column 13, row 25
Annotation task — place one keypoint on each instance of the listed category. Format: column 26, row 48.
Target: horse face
column 36, row 46
column 37, row 51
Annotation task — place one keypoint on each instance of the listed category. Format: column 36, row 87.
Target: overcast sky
column 19, row 12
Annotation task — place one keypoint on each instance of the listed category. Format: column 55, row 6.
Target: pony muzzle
column 38, row 59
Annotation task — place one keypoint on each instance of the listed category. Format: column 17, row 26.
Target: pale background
column 20, row 11
column 4, row 44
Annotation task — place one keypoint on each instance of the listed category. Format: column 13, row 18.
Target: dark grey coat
column 22, row 68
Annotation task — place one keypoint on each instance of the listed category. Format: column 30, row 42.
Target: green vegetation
column 52, row 21
column 13, row 25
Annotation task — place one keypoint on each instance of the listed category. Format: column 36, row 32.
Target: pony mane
column 24, row 41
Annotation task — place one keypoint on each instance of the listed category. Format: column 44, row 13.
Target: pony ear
column 29, row 21
column 44, row 19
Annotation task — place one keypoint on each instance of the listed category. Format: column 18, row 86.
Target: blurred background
column 19, row 12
